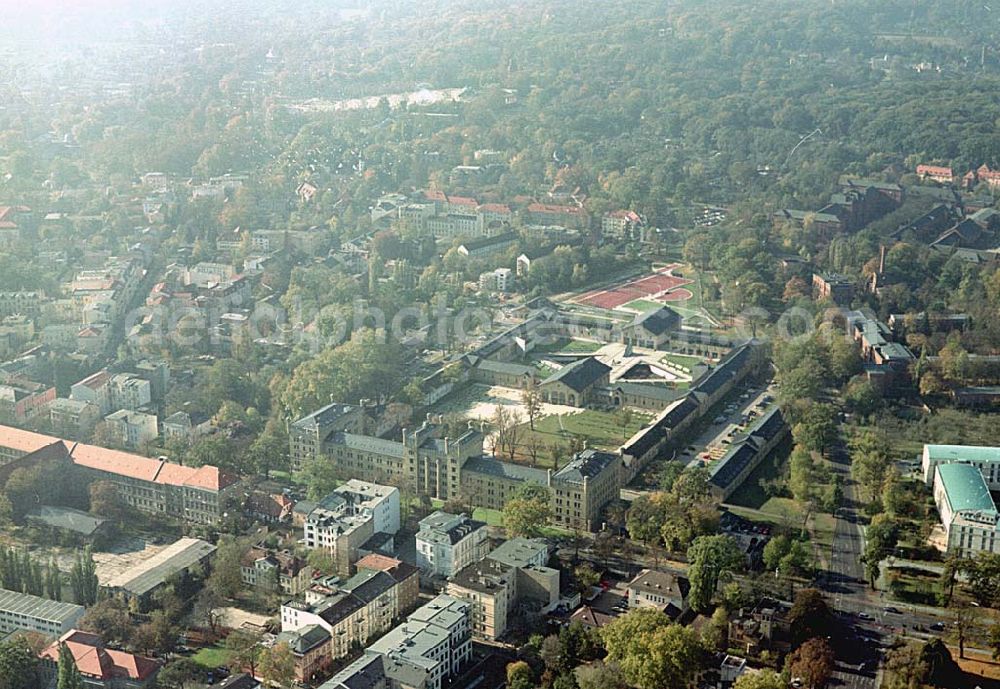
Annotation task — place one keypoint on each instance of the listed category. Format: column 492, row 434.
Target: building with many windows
column 584, row 487
column 27, row 613
column 447, row 543
column 344, row 520
column 962, row 477
column 193, row 494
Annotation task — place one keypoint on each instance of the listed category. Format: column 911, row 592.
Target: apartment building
column 665, row 591
column 353, row 613
column 447, row 543
column 422, row 653
column 132, row 429
column 513, row 575
column 27, row 613
column 344, row 520
column 73, row 417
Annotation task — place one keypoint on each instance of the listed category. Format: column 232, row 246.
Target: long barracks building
column 193, row 494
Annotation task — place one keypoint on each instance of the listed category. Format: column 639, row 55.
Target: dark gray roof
column 579, row 375
column 585, row 465
column 654, row 391
column 659, row 321
column 371, row 586
column 367, row 672
column 325, row 416
column 485, row 576
column 341, row 607
column 484, row 242
column 516, row 472
column 305, row 639
column 66, row 518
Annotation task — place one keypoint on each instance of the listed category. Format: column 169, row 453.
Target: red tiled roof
column 934, row 170
column 549, row 208
column 376, row 561
column 462, row 201
column 435, row 195
column 631, row 216
column 24, row 441
column 135, row 466
column 95, row 662
column 96, row 380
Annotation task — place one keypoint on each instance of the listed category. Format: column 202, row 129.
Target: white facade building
column 446, row 543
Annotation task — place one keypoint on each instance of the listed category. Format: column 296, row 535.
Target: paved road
column 863, row 611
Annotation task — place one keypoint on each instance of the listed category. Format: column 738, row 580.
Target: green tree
column 18, row 665
column 178, row 673
column 881, row 538
column 709, row 558
column 277, row 666
column 83, row 579
column 520, row 676
column 651, row 651
column 600, row 675
column 244, row 649
column 809, row 616
column 527, row 512
column 67, row 674
column 226, row 579
column 763, row 679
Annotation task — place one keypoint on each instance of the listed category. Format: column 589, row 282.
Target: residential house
column 665, row 591
column 837, row 288
column 275, row 570
column 187, row 426
column 621, row 225
column 99, row 667
column 25, row 402
column 310, row 648
column 943, row 175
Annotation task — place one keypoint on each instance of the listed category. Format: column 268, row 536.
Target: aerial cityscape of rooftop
column 505, row 344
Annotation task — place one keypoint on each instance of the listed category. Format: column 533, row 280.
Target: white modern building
column 447, row 543
column 962, row 477
column 24, row 612
column 348, row 517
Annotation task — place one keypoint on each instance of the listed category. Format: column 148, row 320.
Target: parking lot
column 730, row 422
